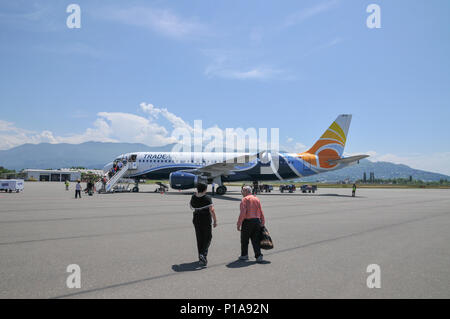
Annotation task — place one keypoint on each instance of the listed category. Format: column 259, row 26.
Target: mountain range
column 381, row 170
column 97, row 154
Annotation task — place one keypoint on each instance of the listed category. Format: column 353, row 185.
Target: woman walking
column 204, row 214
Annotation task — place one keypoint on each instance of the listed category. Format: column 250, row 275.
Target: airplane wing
column 223, row 168
column 347, row 160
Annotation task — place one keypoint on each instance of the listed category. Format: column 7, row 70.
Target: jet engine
column 183, row 180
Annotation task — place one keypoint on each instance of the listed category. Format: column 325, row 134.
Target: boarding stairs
column 113, row 181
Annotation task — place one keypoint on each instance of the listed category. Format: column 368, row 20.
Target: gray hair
column 247, row 189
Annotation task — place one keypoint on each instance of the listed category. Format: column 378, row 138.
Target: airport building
column 47, row 175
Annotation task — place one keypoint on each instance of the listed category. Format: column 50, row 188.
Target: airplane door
column 133, row 161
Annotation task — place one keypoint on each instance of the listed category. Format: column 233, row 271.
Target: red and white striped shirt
column 251, row 208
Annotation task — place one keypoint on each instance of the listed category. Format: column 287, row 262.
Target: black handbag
column 266, row 240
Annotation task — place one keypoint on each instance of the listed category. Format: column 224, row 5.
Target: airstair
column 113, row 181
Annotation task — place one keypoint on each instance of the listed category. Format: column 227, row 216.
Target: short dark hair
column 201, row 187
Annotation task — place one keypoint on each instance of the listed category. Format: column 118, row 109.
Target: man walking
column 249, row 224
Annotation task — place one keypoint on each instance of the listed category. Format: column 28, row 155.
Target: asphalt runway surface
column 142, row 245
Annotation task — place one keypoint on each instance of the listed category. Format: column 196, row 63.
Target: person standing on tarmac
column 78, row 189
column 203, row 213
column 353, row 190
column 250, row 221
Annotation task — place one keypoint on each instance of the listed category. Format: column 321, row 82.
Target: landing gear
column 221, row 190
column 136, row 186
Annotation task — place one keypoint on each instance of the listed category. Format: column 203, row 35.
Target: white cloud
column 292, row 146
column 300, row 16
column 176, row 121
column 29, row 16
column 261, row 73
column 161, row 21
column 108, row 127
column 11, row 136
column 237, row 65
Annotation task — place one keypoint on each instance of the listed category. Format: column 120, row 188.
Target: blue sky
column 293, row 66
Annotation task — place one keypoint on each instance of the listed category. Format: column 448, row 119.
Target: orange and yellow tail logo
column 330, row 145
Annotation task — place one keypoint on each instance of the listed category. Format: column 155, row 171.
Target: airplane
column 185, row 170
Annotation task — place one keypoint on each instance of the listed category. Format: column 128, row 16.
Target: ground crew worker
column 67, row 184
column 90, row 187
column 78, row 189
column 250, row 221
column 203, row 211
column 255, row 187
column 353, row 190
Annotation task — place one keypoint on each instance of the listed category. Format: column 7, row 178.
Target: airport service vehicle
column 308, row 188
column 265, row 188
column 184, row 170
column 11, row 185
column 162, row 188
column 288, row 188
column 121, row 188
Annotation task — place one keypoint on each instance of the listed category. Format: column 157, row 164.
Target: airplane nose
column 107, row 167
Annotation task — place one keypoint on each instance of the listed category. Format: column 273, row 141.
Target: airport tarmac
column 142, row 245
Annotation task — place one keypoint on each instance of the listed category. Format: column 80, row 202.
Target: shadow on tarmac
column 243, row 263
column 193, row 266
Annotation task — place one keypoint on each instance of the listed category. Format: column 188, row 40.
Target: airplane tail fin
column 330, row 145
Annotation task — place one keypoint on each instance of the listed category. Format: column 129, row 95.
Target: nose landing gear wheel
column 221, row 190
column 135, row 189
